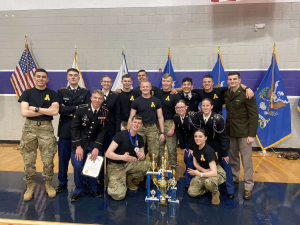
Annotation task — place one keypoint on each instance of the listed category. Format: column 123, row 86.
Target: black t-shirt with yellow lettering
column 204, row 156
column 124, row 144
column 147, row 107
column 152, row 92
column 168, row 102
column 216, row 95
column 39, row 98
column 126, row 99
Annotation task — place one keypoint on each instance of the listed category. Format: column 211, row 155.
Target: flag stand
column 264, row 153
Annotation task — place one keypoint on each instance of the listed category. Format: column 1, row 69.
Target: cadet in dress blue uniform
column 111, row 102
column 191, row 99
column 185, row 134
column 217, row 138
column 88, row 131
column 71, row 98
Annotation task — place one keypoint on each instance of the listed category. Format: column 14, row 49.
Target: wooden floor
column 266, row 168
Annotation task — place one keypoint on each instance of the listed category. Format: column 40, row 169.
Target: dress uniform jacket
column 185, row 131
column 218, row 141
column 193, row 103
column 70, row 100
column 114, row 119
column 242, row 114
column 87, row 130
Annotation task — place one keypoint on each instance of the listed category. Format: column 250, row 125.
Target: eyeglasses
column 182, row 107
column 106, row 82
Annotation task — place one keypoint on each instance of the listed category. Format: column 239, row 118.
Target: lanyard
column 131, row 138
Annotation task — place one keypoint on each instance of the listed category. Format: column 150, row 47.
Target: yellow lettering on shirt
column 132, row 98
column 47, row 98
column 168, row 98
column 152, row 104
column 202, row 158
column 137, row 143
column 215, row 96
column 152, row 93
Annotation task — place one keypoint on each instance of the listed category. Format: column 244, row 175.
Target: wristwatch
column 246, row 88
column 163, row 133
column 37, row 109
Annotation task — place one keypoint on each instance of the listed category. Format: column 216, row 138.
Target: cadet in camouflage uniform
column 38, row 105
column 126, row 160
column 169, row 102
column 208, row 175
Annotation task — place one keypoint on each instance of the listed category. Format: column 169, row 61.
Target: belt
column 38, row 123
column 149, row 125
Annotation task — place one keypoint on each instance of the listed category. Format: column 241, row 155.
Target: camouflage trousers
column 38, row 135
column 171, row 145
column 201, row 185
column 150, row 135
column 117, row 176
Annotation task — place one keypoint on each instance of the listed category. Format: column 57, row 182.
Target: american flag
column 22, row 77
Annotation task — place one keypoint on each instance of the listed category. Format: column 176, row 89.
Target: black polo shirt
column 204, row 156
column 124, row 144
column 147, row 107
column 39, row 98
column 216, row 95
column 152, row 92
column 126, row 99
column 168, row 102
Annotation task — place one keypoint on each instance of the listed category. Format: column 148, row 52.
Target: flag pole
column 27, row 67
column 219, row 76
column 169, row 59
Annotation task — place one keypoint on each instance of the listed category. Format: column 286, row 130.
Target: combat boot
column 49, row 189
column 136, row 181
column 29, row 192
column 129, row 183
column 215, row 198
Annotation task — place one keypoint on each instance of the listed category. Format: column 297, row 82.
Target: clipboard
column 92, row 168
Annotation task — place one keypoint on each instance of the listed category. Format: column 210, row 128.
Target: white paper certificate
column 92, row 168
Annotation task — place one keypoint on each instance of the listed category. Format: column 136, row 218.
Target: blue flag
column 169, row 69
column 274, row 123
column 298, row 107
column 218, row 73
column 219, row 77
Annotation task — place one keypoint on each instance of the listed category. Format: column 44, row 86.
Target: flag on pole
column 218, row 72
column 219, row 76
column 76, row 66
column 274, row 123
column 22, row 77
column 169, row 69
column 122, row 71
column 298, row 107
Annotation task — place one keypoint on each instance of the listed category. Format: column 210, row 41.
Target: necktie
column 205, row 121
column 104, row 97
column 95, row 114
column 187, row 97
column 232, row 92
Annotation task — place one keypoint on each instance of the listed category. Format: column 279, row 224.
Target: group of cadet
column 127, row 124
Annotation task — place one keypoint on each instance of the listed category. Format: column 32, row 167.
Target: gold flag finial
column 274, row 46
column 218, row 48
column 75, row 49
column 123, row 50
column 26, row 38
column 169, row 49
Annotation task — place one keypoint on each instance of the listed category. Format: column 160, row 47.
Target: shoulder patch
column 216, row 116
column 105, row 108
column 63, row 88
column 191, row 113
column 83, row 106
column 176, row 115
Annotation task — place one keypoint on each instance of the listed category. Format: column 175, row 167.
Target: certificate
column 92, row 168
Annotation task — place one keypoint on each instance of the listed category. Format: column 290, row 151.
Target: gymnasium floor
column 276, row 199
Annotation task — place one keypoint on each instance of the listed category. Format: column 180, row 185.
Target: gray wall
column 193, row 32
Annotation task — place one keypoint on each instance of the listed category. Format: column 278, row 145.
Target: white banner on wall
column 77, row 4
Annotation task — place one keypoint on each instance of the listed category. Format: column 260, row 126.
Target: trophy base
column 151, row 199
column 174, row 202
column 163, row 204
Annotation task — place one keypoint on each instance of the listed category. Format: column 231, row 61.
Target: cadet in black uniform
column 126, row 97
column 168, row 107
column 208, row 175
column 70, row 98
column 192, row 99
column 217, row 138
column 185, row 134
column 142, row 77
column 88, row 130
column 216, row 94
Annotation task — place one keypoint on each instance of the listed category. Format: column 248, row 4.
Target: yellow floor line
column 277, row 166
column 256, row 167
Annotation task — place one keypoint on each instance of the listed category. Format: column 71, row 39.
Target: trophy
column 153, row 163
column 162, row 185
